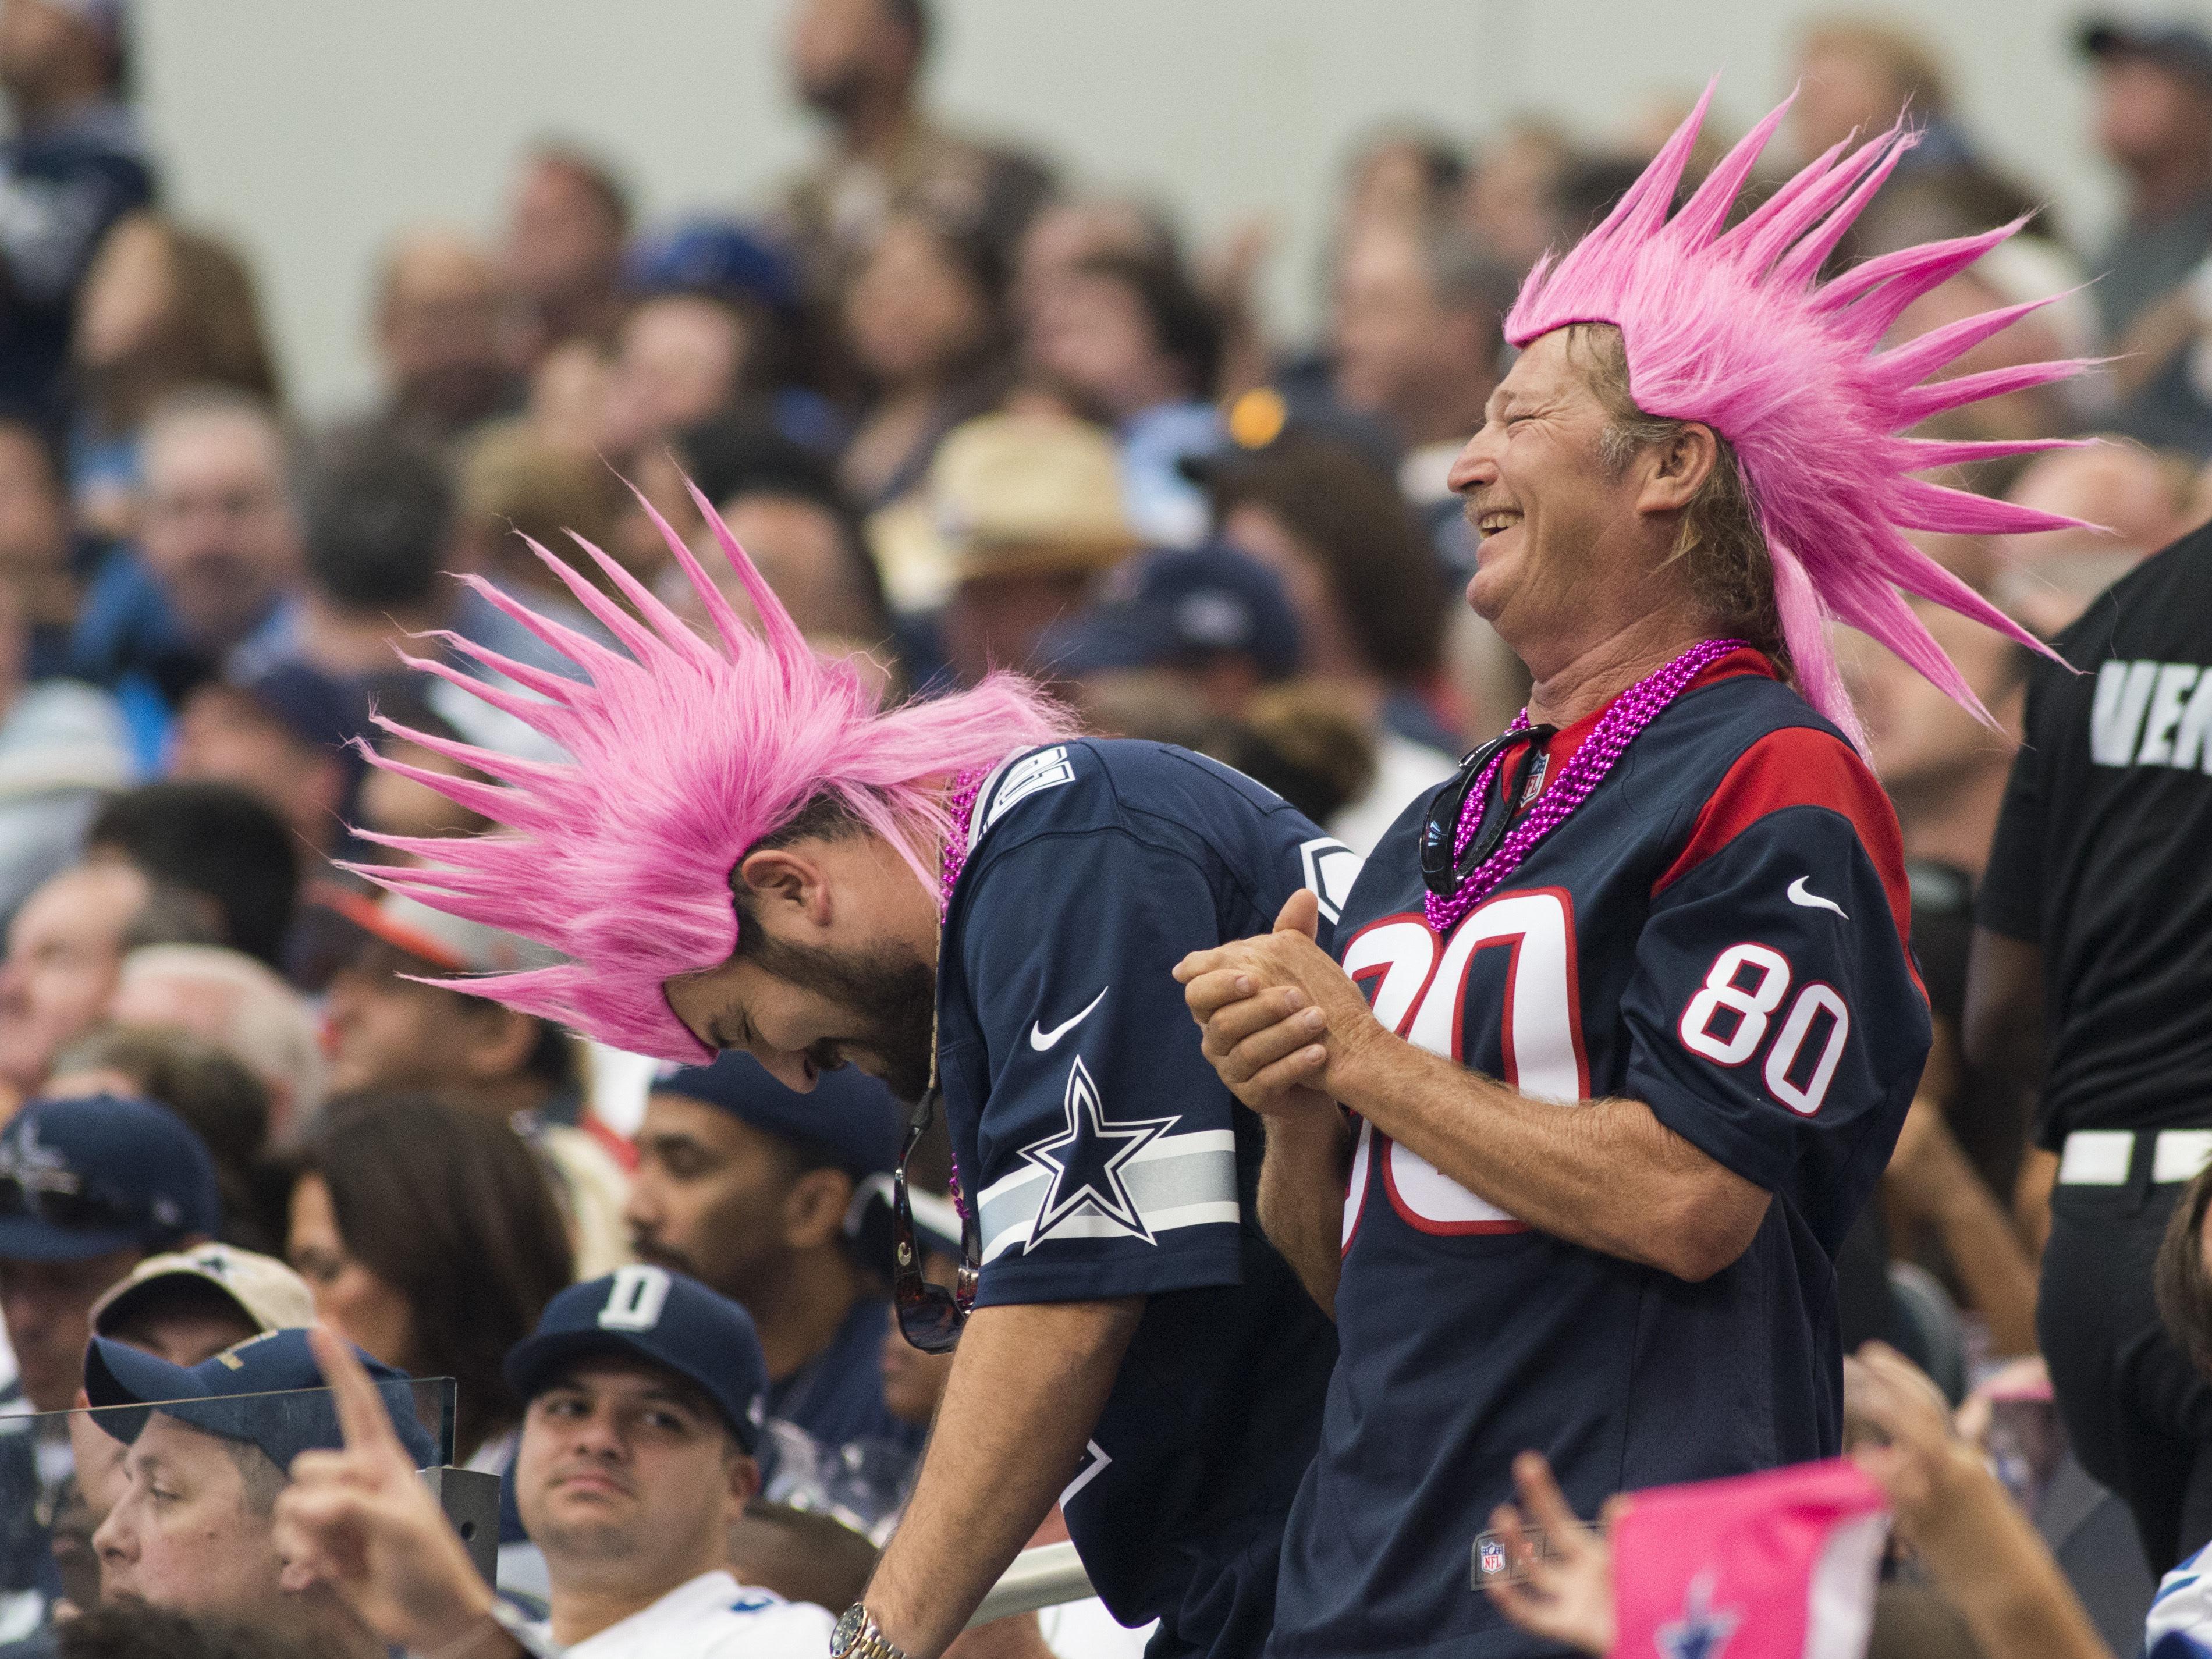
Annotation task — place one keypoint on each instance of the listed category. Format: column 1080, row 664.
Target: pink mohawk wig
column 685, row 752
column 1731, row 326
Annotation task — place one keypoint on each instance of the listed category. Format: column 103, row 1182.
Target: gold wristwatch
column 858, row 1635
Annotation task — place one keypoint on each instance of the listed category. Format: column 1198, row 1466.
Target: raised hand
column 1565, row 1594
column 360, row 1520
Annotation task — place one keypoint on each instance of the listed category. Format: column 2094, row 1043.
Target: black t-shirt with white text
column 2103, row 854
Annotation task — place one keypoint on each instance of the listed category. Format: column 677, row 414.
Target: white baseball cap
column 266, row 1292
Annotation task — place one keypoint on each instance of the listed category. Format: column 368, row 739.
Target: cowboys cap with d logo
column 668, row 1320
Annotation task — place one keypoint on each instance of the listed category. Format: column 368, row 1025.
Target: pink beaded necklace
column 1631, row 711
column 960, row 814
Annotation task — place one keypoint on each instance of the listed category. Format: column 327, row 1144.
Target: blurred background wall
column 389, row 114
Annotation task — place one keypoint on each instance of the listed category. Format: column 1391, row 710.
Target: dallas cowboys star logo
column 1700, row 1632
column 1087, row 1159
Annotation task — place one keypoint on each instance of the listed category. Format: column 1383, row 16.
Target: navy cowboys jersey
column 1106, row 1159
column 1717, row 931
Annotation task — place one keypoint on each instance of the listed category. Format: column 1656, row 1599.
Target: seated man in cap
column 636, row 1458
column 183, row 1307
column 88, row 1188
column 193, row 1529
column 746, row 1185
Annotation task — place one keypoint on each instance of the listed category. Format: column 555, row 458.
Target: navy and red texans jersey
column 1717, row 931
column 1106, row 1159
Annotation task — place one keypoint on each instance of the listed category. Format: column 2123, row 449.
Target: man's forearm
column 1301, row 1197
column 1026, row 1390
column 1992, row 1262
column 1604, row 1174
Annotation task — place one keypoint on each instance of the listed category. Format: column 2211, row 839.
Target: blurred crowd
column 966, row 412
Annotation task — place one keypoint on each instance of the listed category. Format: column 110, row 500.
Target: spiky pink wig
column 686, row 752
column 1731, row 326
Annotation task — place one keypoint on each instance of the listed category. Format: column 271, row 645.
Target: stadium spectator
column 1070, row 230
column 102, row 1181
column 515, row 481
column 281, row 737
column 1370, row 597
column 568, row 217
column 923, row 319
column 2154, row 123
column 1130, row 343
column 680, row 358
column 183, row 1307
column 41, row 556
column 1031, row 508
column 222, row 1103
column 1856, row 74
column 1198, row 630
column 2138, row 500
column 194, row 1527
column 1513, row 192
column 636, row 1457
column 784, row 505
column 63, row 744
column 1403, row 177
column 380, row 540
column 165, row 308
column 1414, row 340
column 391, row 1193
column 1943, row 770
column 73, row 165
column 858, row 65
column 2092, row 964
column 65, row 947
column 232, row 1003
column 390, row 1032
column 745, row 1185
column 218, row 553
column 216, row 843
column 438, row 305
column 1959, row 1522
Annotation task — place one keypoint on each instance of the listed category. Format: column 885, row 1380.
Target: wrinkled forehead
column 1553, row 369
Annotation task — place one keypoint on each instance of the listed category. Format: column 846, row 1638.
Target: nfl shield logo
column 1492, row 1559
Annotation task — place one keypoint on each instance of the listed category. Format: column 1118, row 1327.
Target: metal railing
column 1041, row 1577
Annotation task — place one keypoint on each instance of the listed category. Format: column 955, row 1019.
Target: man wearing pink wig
column 1625, row 1026
column 741, row 850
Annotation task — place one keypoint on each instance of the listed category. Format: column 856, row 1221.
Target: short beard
column 891, row 995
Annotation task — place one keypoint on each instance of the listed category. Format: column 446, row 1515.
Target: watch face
column 848, row 1629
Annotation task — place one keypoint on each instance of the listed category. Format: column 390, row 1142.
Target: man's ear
column 744, row 1484
column 1679, row 469
column 783, row 880
column 814, row 1208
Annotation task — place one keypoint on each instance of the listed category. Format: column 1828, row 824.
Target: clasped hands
column 1281, row 1019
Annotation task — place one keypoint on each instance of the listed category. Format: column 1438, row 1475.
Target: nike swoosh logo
column 1797, row 896
column 1040, row 1039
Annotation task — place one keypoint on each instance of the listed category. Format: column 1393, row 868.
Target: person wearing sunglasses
column 962, row 898
column 1625, row 1025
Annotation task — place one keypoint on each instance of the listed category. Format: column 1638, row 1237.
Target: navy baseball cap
column 267, row 1391
column 852, row 1114
column 669, row 1319
column 1181, row 606
column 82, row 1177
column 715, row 257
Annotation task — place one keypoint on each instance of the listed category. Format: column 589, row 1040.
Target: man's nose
column 1476, row 464
column 113, row 1540
column 794, row 1071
